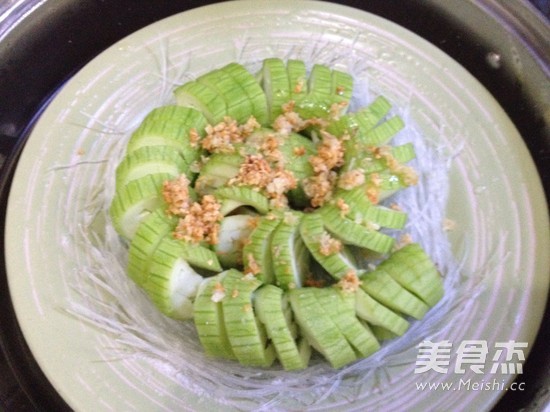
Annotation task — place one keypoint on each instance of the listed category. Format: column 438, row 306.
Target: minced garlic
column 330, row 154
column 404, row 240
column 351, row 179
column 249, row 127
column 349, row 282
column 336, row 110
column 200, row 222
column 270, row 149
column 299, row 86
column 194, row 137
column 299, row 151
column 343, row 206
column 408, row 174
column 281, row 182
column 252, row 266
column 319, row 188
column 373, row 188
column 257, row 172
column 222, row 137
column 373, row 194
column 329, row 245
column 176, row 195
column 290, row 121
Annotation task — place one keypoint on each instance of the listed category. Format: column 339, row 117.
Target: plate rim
column 17, row 172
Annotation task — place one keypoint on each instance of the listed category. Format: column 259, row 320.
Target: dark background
column 43, row 49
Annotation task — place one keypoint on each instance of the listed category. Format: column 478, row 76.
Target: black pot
column 505, row 45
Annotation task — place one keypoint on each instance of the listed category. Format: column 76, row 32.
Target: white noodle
column 110, row 301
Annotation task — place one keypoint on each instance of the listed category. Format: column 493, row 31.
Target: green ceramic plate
column 501, row 238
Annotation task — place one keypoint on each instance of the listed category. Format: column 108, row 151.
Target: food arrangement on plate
column 258, row 206
column 271, row 213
